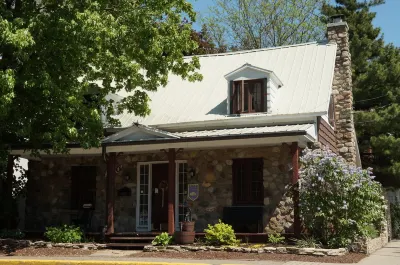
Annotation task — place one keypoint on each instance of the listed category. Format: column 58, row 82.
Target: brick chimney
column 338, row 33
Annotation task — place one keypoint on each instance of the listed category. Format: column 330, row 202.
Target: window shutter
column 265, row 94
column 232, row 95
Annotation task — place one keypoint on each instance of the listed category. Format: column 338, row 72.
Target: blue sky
column 387, row 18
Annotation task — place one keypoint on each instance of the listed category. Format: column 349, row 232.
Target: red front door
column 159, row 212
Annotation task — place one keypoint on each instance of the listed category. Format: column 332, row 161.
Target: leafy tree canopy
column 376, row 87
column 61, row 60
column 252, row 24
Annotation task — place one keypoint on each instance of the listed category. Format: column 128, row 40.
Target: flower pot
column 184, row 237
column 188, row 226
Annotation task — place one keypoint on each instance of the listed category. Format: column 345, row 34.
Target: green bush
column 395, row 219
column 14, row 234
column 162, row 240
column 276, row 238
column 64, row 234
column 220, row 234
column 307, row 242
column 339, row 202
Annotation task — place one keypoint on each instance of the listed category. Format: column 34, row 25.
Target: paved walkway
column 389, row 255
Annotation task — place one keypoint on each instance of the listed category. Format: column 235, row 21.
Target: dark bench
column 244, row 219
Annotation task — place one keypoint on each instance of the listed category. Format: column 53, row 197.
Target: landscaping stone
column 277, row 250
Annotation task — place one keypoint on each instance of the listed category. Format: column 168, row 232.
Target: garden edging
column 277, row 250
column 13, row 243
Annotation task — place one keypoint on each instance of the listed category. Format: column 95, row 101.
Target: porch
column 131, row 193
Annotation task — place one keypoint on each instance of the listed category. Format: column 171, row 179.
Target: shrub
column 64, row 234
column 162, row 239
column 220, row 234
column 276, row 238
column 338, row 202
column 307, row 242
column 14, row 234
column 395, row 219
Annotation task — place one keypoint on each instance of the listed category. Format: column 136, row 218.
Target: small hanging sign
column 193, row 191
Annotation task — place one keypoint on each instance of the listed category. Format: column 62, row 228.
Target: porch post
column 171, row 191
column 295, row 178
column 110, row 192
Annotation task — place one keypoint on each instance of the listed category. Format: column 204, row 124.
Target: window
column 247, row 96
column 83, row 186
column 248, row 188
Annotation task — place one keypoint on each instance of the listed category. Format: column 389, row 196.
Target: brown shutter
column 264, row 96
column 232, row 95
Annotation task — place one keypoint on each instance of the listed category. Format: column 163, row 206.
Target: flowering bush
column 338, row 202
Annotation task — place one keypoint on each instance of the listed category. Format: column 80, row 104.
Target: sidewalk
column 389, row 255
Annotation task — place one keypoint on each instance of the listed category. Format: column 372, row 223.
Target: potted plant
column 187, row 234
column 188, row 225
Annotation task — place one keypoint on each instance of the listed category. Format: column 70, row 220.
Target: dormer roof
column 247, row 66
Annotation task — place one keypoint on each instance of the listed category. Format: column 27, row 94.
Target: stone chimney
column 338, row 33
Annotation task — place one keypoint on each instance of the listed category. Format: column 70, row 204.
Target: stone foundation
column 49, row 193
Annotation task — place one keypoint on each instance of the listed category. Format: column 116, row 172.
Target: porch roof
column 142, row 135
column 246, row 131
column 141, row 138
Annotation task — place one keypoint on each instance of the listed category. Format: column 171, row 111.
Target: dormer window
column 251, row 89
column 247, row 96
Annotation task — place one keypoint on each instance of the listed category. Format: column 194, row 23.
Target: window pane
column 239, row 97
column 256, row 97
column 246, row 98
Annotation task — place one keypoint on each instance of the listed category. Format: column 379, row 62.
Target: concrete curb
column 86, row 262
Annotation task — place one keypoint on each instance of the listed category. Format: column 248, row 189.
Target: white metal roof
column 138, row 133
column 246, row 131
column 306, row 70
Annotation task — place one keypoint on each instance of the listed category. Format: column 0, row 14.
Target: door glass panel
column 182, row 192
column 144, row 196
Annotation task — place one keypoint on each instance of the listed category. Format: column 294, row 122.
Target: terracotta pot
column 188, row 226
column 184, row 237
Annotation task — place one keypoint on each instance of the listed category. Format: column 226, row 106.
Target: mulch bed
column 45, row 252
column 221, row 255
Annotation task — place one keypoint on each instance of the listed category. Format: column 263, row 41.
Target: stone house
column 226, row 147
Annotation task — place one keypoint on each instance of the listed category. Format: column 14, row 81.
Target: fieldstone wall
column 48, row 198
column 49, row 192
column 216, row 188
column 342, row 91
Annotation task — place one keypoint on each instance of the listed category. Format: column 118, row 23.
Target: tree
column 252, row 24
column 376, row 87
column 205, row 43
column 61, row 60
column 56, row 53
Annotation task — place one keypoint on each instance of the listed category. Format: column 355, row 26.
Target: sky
column 387, row 18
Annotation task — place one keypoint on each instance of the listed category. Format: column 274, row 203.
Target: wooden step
column 126, row 245
column 115, row 238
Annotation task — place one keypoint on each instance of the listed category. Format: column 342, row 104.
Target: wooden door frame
column 150, row 189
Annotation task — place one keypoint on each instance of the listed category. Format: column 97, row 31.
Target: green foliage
column 252, row 24
column 376, row 79
column 13, row 233
column 220, row 234
column 53, row 54
column 64, row 234
column 162, row 239
column 395, row 219
column 307, row 242
column 338, row 202
column 276, row 238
